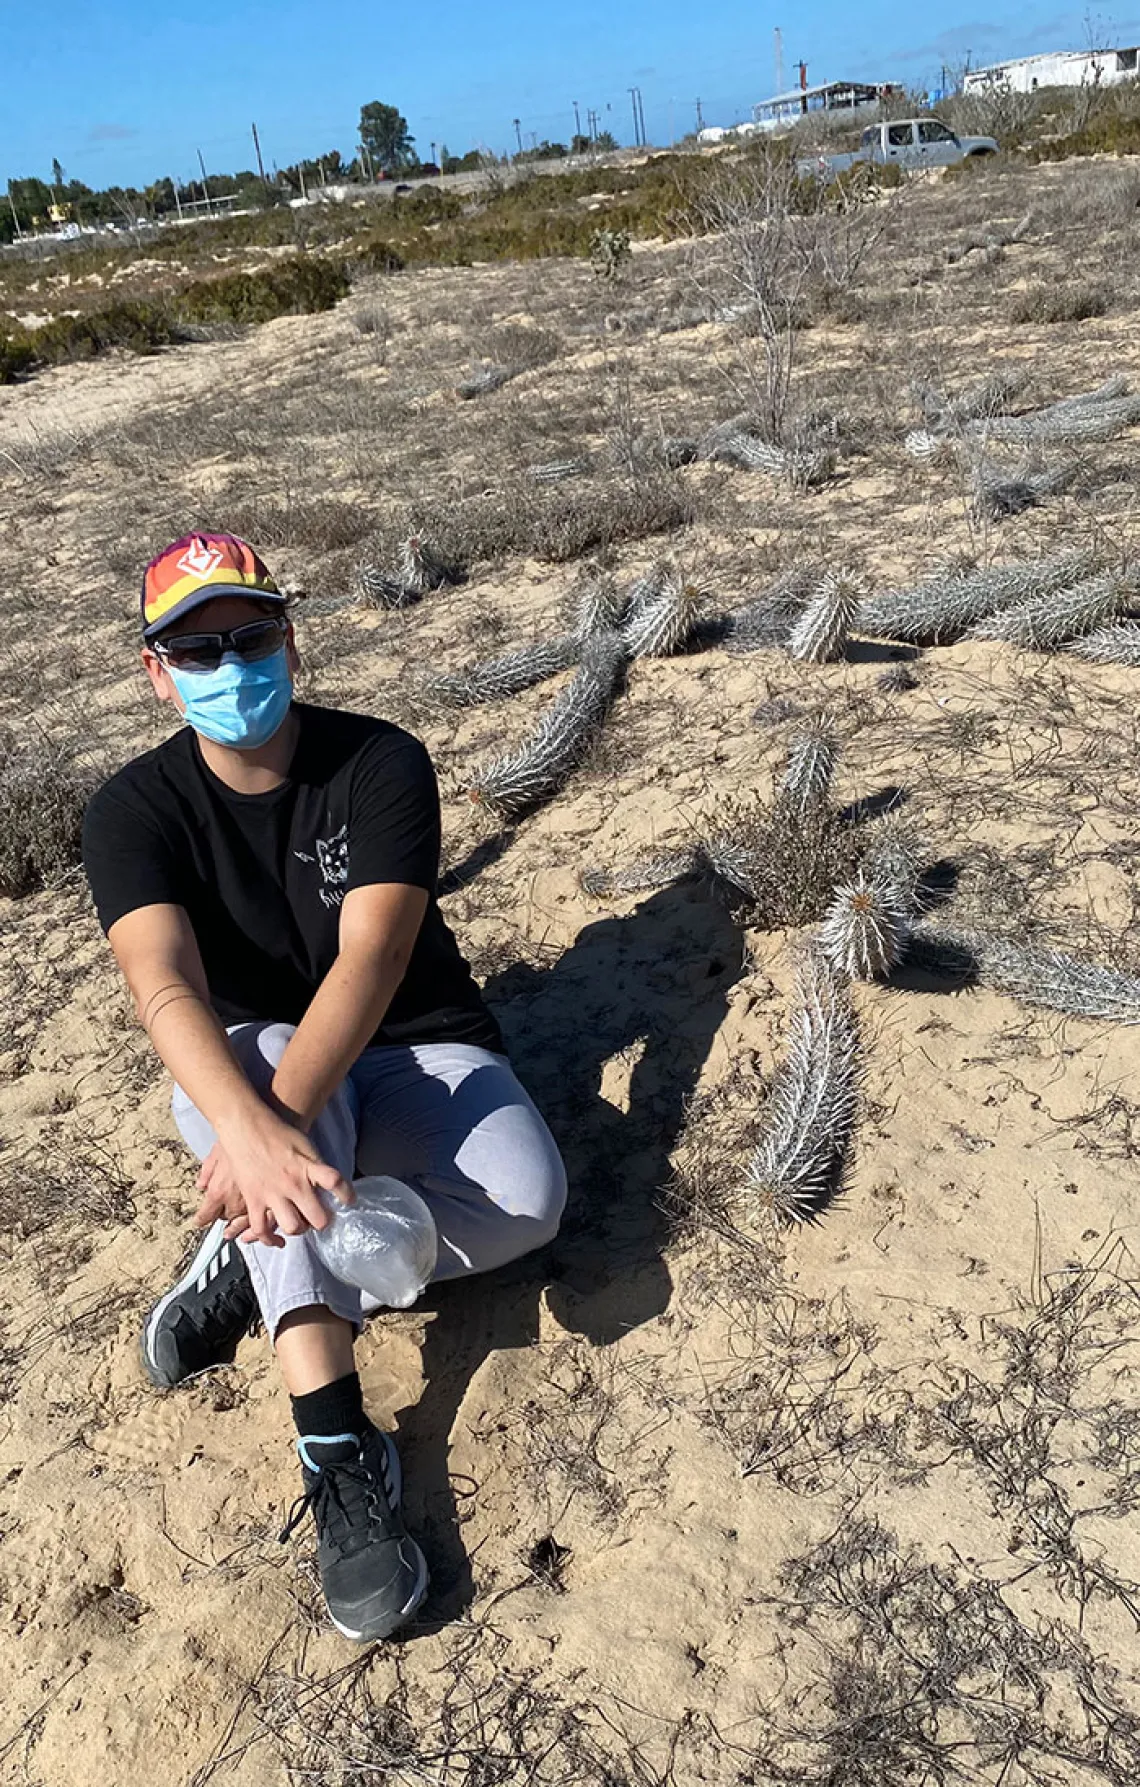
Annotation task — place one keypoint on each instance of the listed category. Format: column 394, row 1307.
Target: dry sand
column 702, row 1503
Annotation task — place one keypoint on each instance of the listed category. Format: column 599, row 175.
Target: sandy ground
column 702, row 1501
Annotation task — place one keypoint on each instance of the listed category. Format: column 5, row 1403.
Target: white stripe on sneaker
column 197, row 1274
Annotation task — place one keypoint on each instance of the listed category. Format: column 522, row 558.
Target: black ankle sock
column 334, row 1408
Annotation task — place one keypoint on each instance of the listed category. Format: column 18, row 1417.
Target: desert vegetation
column 789, row 780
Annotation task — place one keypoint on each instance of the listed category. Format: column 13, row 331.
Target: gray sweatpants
column 450, row 1120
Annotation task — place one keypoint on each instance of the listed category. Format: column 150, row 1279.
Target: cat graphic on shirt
column 332, row 860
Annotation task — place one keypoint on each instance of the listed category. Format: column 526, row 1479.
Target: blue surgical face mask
column 238, row 704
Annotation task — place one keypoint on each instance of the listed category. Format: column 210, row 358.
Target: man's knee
column 259, row 1048
column 540, row 1197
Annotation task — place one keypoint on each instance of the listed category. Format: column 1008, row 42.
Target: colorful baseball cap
column 194, row 570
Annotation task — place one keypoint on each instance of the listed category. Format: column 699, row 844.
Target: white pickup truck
column 907, row 142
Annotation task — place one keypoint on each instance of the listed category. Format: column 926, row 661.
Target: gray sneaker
column 374, row 1576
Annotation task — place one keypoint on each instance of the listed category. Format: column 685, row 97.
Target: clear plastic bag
column 385, row 1243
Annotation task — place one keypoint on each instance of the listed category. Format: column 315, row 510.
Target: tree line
column 385, row 150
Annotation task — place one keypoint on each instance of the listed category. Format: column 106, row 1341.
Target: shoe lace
column 335, row 1495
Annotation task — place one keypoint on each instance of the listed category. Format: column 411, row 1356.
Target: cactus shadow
column 610, row 1040
column 869, row 651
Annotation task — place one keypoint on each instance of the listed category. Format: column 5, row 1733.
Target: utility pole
column 518, row 134
column 257, row 149
column 301, row 171
column 15, row 219
column 641, row 115
column 434, row 156
column 177, row 200
column 205, row 188
column 700, row 117
column 632, row 91
column 577, row 119
column 778, row 43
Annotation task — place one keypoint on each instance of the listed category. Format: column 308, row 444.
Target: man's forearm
column 348, row 1006
column 192, row 1043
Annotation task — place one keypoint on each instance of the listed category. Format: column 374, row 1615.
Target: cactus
column 514, row 783
column 660, row 624
column 812, row 753
column 997, row 493
column 1044, row 977
column 420, row 569
column 598, row 606
column 557, row 471
column 770, row 617
column 820, row 633
column 865, row 931
column 894, row 858
column 379, row 589
column 1074, row 419
column 496, row 678
column 643, row 877
column 1047, row 622
column 925, row 446
column 491, row 378
column 800, row 1163
column 1119, row 644
column 803, row 467
column 946, row 605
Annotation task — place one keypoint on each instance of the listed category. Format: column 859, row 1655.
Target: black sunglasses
column 204, row 651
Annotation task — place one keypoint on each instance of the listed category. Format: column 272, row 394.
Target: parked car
column 907, row 142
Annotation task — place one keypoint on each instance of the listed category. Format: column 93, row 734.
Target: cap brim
column 208, row 593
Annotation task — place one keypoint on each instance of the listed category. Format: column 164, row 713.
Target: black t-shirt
column 262, row 876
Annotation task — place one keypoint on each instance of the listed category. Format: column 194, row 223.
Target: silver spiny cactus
column 998, row 492
column 1036, row 976
column 768, row 619
column 514, row 783
column 1067, row 423
column 497, row 678
column 800, row 1163
column 642, row 877
column 895, row 857
column 478, row 384
column 813, row 750
column 821, row 630
column 420, row 569
column 865, row 931
column 662, row 623
column 380, row 589
column 1119, row 644
column 1051, row 620
column 944, row 607
column 600, row 607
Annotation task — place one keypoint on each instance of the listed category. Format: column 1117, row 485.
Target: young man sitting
column 267, row 881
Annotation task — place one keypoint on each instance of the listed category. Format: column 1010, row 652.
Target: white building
column 1059, row 68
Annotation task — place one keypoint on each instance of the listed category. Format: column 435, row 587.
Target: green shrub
column 379, row 256
column 1113, row 133
column 17, row 355
column 293, row 288
column 136, row 324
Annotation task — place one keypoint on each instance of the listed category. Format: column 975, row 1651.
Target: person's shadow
column 639, row 1001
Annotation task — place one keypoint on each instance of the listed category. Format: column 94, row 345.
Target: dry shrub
column 1059, row 304
column 793, row 858
column 43, row 793
column 320, row 523
column 521, row 347
column 553, row 522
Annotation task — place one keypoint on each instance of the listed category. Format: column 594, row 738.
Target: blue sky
column 125, row 90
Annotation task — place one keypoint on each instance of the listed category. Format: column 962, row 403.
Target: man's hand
column 265, row 1178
